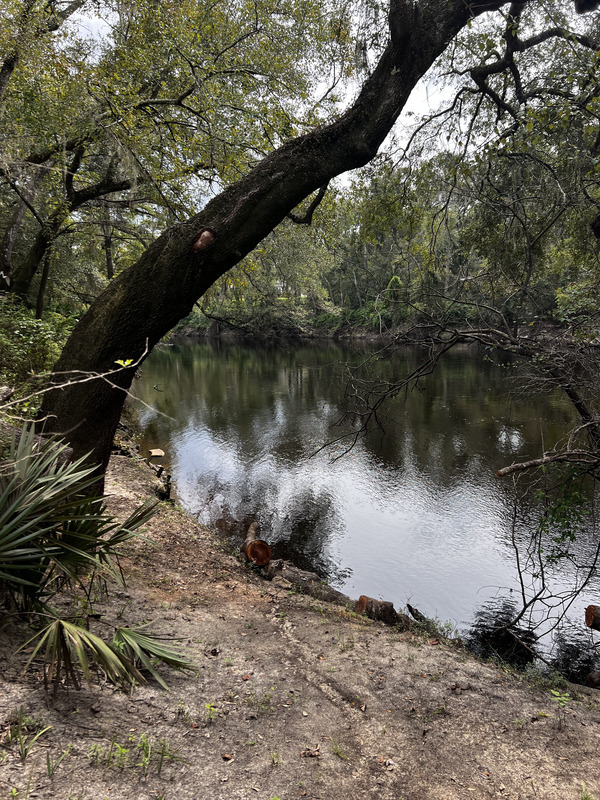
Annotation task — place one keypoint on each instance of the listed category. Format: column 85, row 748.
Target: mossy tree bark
column 144, row 302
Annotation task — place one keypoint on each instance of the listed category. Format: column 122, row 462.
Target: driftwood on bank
column 164, row 485
column 310, row 583
column 382, row 610
column 259, row 552
column 306, row 582
column 593, row 679
column 592, row 620
column 414, row 612
column 256, row 550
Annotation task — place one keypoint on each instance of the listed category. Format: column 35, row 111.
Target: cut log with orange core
column 259, row 553
column 592, row 617
column 256, row 550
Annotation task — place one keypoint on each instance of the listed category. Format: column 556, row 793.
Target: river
column 412, row 513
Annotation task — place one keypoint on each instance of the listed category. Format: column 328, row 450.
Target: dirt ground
column 292, row 698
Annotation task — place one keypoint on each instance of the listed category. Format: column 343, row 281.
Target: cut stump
column 592, row 617
column 382, row 610
column 256, row 550
column 305, row 582
column 259, row 553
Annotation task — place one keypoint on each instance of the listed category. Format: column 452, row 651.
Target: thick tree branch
column 25, row 271
column 506, row 62
column 56, row 18
column 306, row 219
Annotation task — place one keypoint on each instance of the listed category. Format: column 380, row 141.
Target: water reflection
column 415, row 513
column 492, row 636
column 574, row 655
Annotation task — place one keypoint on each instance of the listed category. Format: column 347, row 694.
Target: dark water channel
column 414, row 515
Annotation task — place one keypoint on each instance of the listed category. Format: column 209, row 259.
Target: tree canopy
column 239, row 110
column 111, row 137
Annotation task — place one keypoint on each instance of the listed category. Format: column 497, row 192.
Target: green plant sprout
column 141, row 752
column 585, row 795
column 24, row 731
column 52, row 764
column 561, row 699
column 336, row 749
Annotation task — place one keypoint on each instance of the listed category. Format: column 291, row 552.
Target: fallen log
column 306, row 582
column 256, row 550
column 593, row 679
column 311, row 584
column 382, row 610
column 592, row 617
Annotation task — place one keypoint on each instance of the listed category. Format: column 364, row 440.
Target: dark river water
column 413, row 514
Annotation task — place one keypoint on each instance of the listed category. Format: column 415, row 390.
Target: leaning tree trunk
column 143, row 303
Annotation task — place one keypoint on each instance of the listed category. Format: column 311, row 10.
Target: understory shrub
column 28, row 346
column 55, row 537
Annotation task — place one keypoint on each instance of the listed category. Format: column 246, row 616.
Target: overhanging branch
column 306, row 219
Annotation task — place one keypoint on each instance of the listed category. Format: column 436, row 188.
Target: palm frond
column 64, row 646
column 50, row 531
column 49, row 526
column 145, row 647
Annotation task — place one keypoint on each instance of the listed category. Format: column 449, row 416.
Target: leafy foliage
column 28, row 346
column 108, row 138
